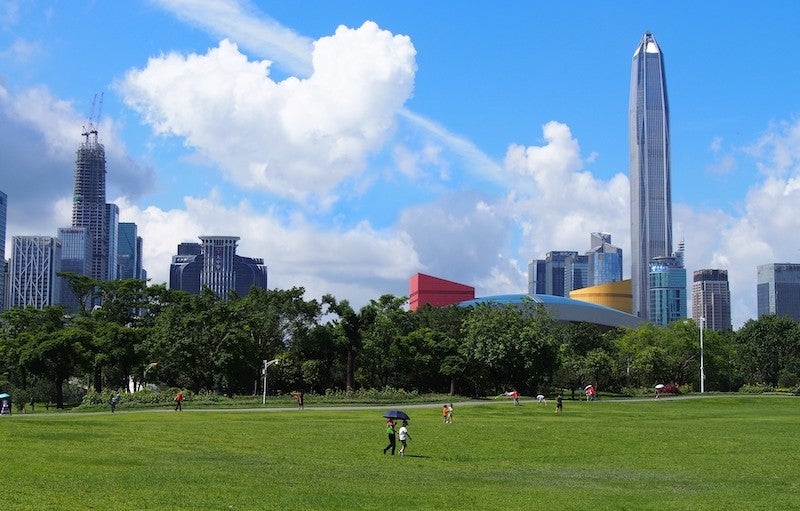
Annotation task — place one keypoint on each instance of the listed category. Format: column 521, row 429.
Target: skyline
column 452, row 140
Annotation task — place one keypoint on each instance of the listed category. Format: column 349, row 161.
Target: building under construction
column 89, row 201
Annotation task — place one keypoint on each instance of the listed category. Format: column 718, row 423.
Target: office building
column 35, row 261
column 536, row 277
column 778, row 290
column 129, row 252
column 711, row 299
column 3, row 223
column 111, row 240
column 427, row 290
column 649, row 144
column 76, row 257
column 668, row 300
column 214, row 264
column 576, row 273
column 604, row 260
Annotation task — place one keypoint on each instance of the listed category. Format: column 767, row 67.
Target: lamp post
column 264, row 367
column 702, row 371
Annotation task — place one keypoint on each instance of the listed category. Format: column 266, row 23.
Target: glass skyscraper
column 604, row 260
column 76, row 257
column 651, row 201
column 668, row 301
column 778, row 290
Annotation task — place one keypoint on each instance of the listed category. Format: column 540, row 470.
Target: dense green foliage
column 733, row 453
column 162, row 339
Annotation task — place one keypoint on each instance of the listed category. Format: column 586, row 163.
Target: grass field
column 727, row 452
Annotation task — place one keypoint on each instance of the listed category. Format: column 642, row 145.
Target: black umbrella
column 396, row 414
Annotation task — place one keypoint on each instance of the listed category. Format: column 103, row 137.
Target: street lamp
column 702, row 371
column 264, row 367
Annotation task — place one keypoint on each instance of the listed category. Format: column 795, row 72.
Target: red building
column 425, row 289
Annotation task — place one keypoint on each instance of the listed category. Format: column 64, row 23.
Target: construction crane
column 90, row 128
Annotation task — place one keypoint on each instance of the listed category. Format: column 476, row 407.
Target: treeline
column 152, row 335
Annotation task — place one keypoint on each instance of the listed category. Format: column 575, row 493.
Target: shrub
column 757, row 388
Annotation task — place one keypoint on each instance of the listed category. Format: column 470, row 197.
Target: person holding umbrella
column 403, row 434
column 391, row 434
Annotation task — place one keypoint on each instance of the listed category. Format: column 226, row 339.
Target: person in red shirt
column 178, row 401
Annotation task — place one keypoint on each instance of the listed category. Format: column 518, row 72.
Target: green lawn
column 727, row 452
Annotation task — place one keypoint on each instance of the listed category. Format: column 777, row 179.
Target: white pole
column 264, row 372
column 266, row 363
column 702, row 371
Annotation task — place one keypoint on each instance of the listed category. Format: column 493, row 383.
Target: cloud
column 298, row 138
column 253, row 30
column 556, row 202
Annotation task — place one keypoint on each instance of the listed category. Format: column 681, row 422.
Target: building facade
column 576, row 273
column 778, row 290
column 35, row 261
column 604, row 260
column 3, row 223
column 711, row 299
column 536, row 277
column 214, row 264
column 428, row 290
column 129, row 253
column 649, row 143
column 668, row 300
column 76, row 257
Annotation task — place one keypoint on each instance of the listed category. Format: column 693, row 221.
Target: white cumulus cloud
column 299, row 138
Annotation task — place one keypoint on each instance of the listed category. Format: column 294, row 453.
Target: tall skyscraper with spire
column 651, row 200
column 89, row 201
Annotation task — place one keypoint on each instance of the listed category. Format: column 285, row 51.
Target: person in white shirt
column 403, row 436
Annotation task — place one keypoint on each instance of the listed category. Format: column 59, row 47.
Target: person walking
column 444, row 414
column 391, row 434
column 559, row 404
column 450, row 413
column 112, row 402
column 179, row 401
column 404, row 436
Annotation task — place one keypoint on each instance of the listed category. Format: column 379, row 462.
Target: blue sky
column 353, row 144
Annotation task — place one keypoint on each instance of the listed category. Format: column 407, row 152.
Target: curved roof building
column 565, row 309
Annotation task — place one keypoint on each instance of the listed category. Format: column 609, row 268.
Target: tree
column 769, row 347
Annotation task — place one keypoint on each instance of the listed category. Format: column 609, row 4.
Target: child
column 403, row 434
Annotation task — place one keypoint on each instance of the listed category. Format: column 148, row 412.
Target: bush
column 757, row 388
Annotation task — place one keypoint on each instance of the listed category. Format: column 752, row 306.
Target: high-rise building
column 667, row 279
column 111, row 240
column 35, row 261
column 215, row 264
column 3, row 220
column 576, row 273
column 778, row 290
column 555, row 263
column 76, row 257
column 711, row 299
column 651, row 201
column 536, row 277
column 129, row 258
column 89, row 200
column 604, row 260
